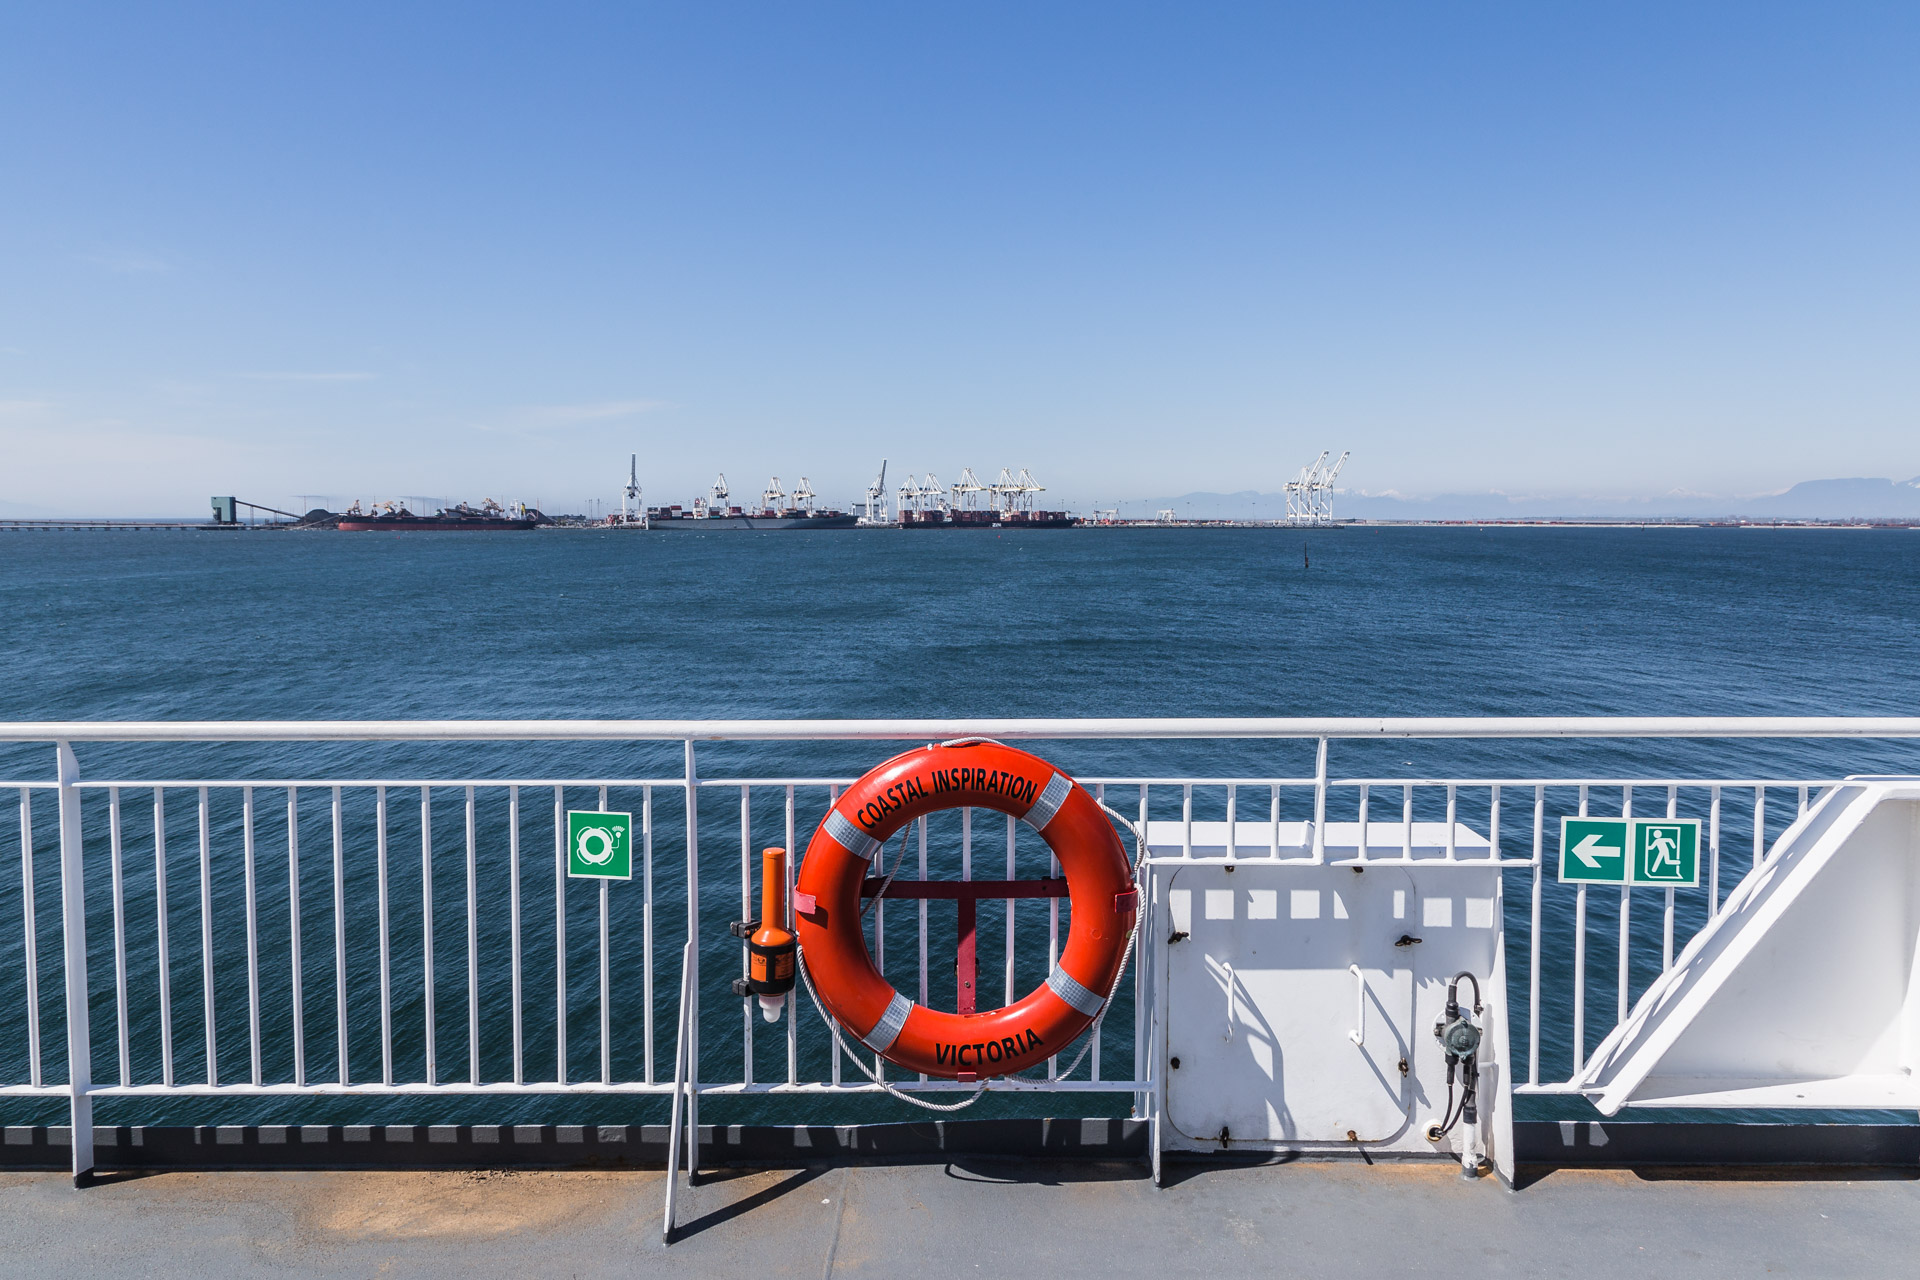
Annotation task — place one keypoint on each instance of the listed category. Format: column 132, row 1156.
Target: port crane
column 877, row 498
column 1310, row 494
column 773, row 501
column 966, row 489
column 931, row 492
column 803, row 495
column 628, row 496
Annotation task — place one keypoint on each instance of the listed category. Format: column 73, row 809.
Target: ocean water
column 1498, row 621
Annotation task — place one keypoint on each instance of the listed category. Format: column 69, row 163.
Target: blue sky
column 369, row 250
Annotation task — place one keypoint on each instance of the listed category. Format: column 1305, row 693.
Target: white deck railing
column 161, row 1049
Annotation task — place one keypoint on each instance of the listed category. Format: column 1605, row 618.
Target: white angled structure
column 1802, row 992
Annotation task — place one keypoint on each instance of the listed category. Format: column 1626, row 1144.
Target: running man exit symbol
column 1593, row 850
column 599, row 845
column 1666, row 851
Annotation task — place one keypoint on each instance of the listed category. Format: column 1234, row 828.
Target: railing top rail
column 1348, row 727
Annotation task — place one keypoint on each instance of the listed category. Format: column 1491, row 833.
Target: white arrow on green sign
column 599, row 845
column 1593, row 850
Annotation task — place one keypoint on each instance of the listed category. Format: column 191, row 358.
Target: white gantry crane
column 1323, row 490
column 630, row 496
column 877, row 499
column 1028, row 487
column 773, row 498
column 932, row 497
column 1310, row 494
column 1004, row 492
column 804, row 495
column 967, row 490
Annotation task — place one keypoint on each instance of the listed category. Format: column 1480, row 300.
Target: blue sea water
column 1360, row 621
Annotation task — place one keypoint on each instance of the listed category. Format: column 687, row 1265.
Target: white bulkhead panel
column 1300, row 1003
column 1803, row 992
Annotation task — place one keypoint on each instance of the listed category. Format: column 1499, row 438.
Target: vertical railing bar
column 1320, row 803
column 1013, row 829
column 1053, row 923
column 340, row 936
column 693, row 938
column 646, row 924
column 1803, row 801
column 1626, row 909
column 1666, row 928
column 513, row 928
column 1273, row 843
column 1759, row 825
column 1233, row 823
column 1406, row 823
column 1142, row 1005
column 606, row 972
column 1580, row 962
column 206, row 935
column 747, row 913
column 793, row 1009
column 426, row 930
column 1453, row 809
column 1186, row 820
column 253, row 933
column 1713, row 855
column 161, row 946
column 473, row 943
column 73, row 937
column 833, row 1043
column 560, row 934
column 1493, row 823
column 119, row 936
column 1533, row 936
column 294, row 964
column 28, row 916
column 386, row 938
column 921, row 822
column 1366, row 834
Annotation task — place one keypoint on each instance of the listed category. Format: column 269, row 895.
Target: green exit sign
column 1630, row 851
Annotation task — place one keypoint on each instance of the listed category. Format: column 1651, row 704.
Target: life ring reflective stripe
column 833, row 944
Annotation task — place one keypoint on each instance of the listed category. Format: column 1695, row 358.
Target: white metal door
column 1289, row 1007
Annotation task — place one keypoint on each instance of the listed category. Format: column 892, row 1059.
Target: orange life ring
column 833, row 944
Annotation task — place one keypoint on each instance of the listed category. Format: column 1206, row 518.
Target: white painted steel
column 1802, row 992
column 1469, row 841
column 907, row 730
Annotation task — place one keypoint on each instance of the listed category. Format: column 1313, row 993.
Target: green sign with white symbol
column 599, row 845
column 1630, row 851
column 1594, row 850
column 1666, row 851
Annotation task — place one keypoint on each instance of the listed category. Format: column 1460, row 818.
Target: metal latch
column 1408, row 940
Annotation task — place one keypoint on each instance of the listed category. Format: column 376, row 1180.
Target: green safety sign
column 1594, row 850
column 1630, row 851
column 599, row 845
column 1666, row 851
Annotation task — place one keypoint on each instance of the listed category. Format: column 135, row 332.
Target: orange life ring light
column 833, row 945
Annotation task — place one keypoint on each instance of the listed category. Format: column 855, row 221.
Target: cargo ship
column 1010, row 506
column 385, row 517
column 778, row 510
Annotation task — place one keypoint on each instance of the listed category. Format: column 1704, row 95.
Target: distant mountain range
column 1854, row 499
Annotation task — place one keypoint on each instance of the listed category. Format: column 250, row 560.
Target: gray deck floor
column 975, row 1217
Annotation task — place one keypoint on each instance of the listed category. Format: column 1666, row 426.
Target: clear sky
column 467, row 250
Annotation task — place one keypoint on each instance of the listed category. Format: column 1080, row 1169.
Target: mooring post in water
column 73, row 929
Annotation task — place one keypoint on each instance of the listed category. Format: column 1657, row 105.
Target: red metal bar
column 963, row 958
column 965, row 890
column 967, row 894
